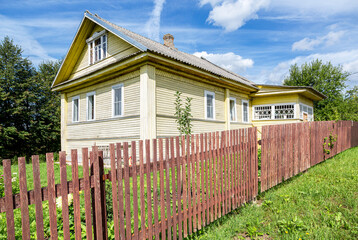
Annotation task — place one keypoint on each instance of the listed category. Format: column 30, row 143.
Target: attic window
column 97, row 47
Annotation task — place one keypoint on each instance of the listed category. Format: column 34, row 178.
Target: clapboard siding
column 168, row 84
column 166, row 126
column 117, row 49
column 306, row 101
column 105, row 129
column 103, row 98
column 286, row 98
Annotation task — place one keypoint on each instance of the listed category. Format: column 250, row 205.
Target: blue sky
column 258, row 39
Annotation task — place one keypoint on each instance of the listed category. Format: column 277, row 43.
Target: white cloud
column 153, row 24
column 232, row 15
column 347, row 59
column 309, row 44
column 22, row 36
column 230, row 61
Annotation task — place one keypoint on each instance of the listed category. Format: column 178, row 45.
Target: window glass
column 97, row 48
column 90, row 109
column 210, row 106
column 232, row 110
column 75, row 110
column 117, row 101
column 245, row 111
column 262, row 112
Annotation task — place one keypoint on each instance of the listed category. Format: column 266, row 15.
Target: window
column 277, row 111
column 91, row 106
column 97, row 47
column 245, row 111
column 262, row 112
column 306, row 109
column 233, row 116
column 75, row 109
column 117, row 99
column 286, row 111
column 209, row 105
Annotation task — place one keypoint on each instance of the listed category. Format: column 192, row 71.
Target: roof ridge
column 175, row 54
column 243, row 78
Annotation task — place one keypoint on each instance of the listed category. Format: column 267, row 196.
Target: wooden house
column 118, row 86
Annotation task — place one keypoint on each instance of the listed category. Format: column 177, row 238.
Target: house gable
column 76, row 63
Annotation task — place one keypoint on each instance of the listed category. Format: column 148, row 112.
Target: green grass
column 319, row 204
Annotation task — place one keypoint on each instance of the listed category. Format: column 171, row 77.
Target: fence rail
column 166, row 188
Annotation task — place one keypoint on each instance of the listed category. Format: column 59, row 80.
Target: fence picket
column 9, row 202
column 76, row 194
column 135, row 189
column 174, row 191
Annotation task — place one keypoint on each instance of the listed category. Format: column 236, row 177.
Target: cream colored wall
column 306, row 101
column 116, row 50
column 105, row 128
column 167, row 85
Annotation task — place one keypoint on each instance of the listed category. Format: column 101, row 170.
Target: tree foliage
column 183, row 114
column 326, row 78
column 29, row 110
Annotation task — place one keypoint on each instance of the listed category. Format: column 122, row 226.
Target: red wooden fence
column 174, row 187
column 290, row 149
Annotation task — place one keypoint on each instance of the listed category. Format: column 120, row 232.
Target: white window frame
column 248, row 111
column 91, row 41
column 206, row 93
column 305, row 112
column 118, row 86
column 235, row 111
column 94, row 105
column 273, row 111
column 78, row 108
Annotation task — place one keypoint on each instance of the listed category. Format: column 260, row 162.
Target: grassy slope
column 319, row 204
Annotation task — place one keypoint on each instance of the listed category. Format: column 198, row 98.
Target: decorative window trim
column 94, row 106
column 91, row 40
column 248, row 108
column 235, row 110
column 118, row 86
column 78, row 108
column 206, row 93
column 273, row 111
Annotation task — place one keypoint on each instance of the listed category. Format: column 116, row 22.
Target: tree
column 326, row 78
column 183, row 114
column 29, row 111
column 350, row 106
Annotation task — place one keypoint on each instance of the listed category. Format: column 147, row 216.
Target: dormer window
column 97, row 47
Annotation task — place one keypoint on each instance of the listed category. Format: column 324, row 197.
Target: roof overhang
column 272, row 90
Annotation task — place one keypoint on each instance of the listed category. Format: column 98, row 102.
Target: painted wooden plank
column 263, row 159
column 120, row 191
column 127, row 191
column 87, row 194
column 9, row 202
column 114, row 189
column 215, row 156
column 220, row 182
column 51, row 195
column 64, row 194
column 210, row 164
column 202, row 170
column 135, row 189
column 76, row 194
column 37, row 196
column 149, row 191
column 155, row 190
column 25, row 222
column 242, row 180
column 189, row 192
column 207, row 195
column 141, row 183
column 179, row 163
column 231, row 177
column 167, row 190
column 162, row 190
column 185, row 183
column 174, row 190
column 193, row 184
column 198, row 178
